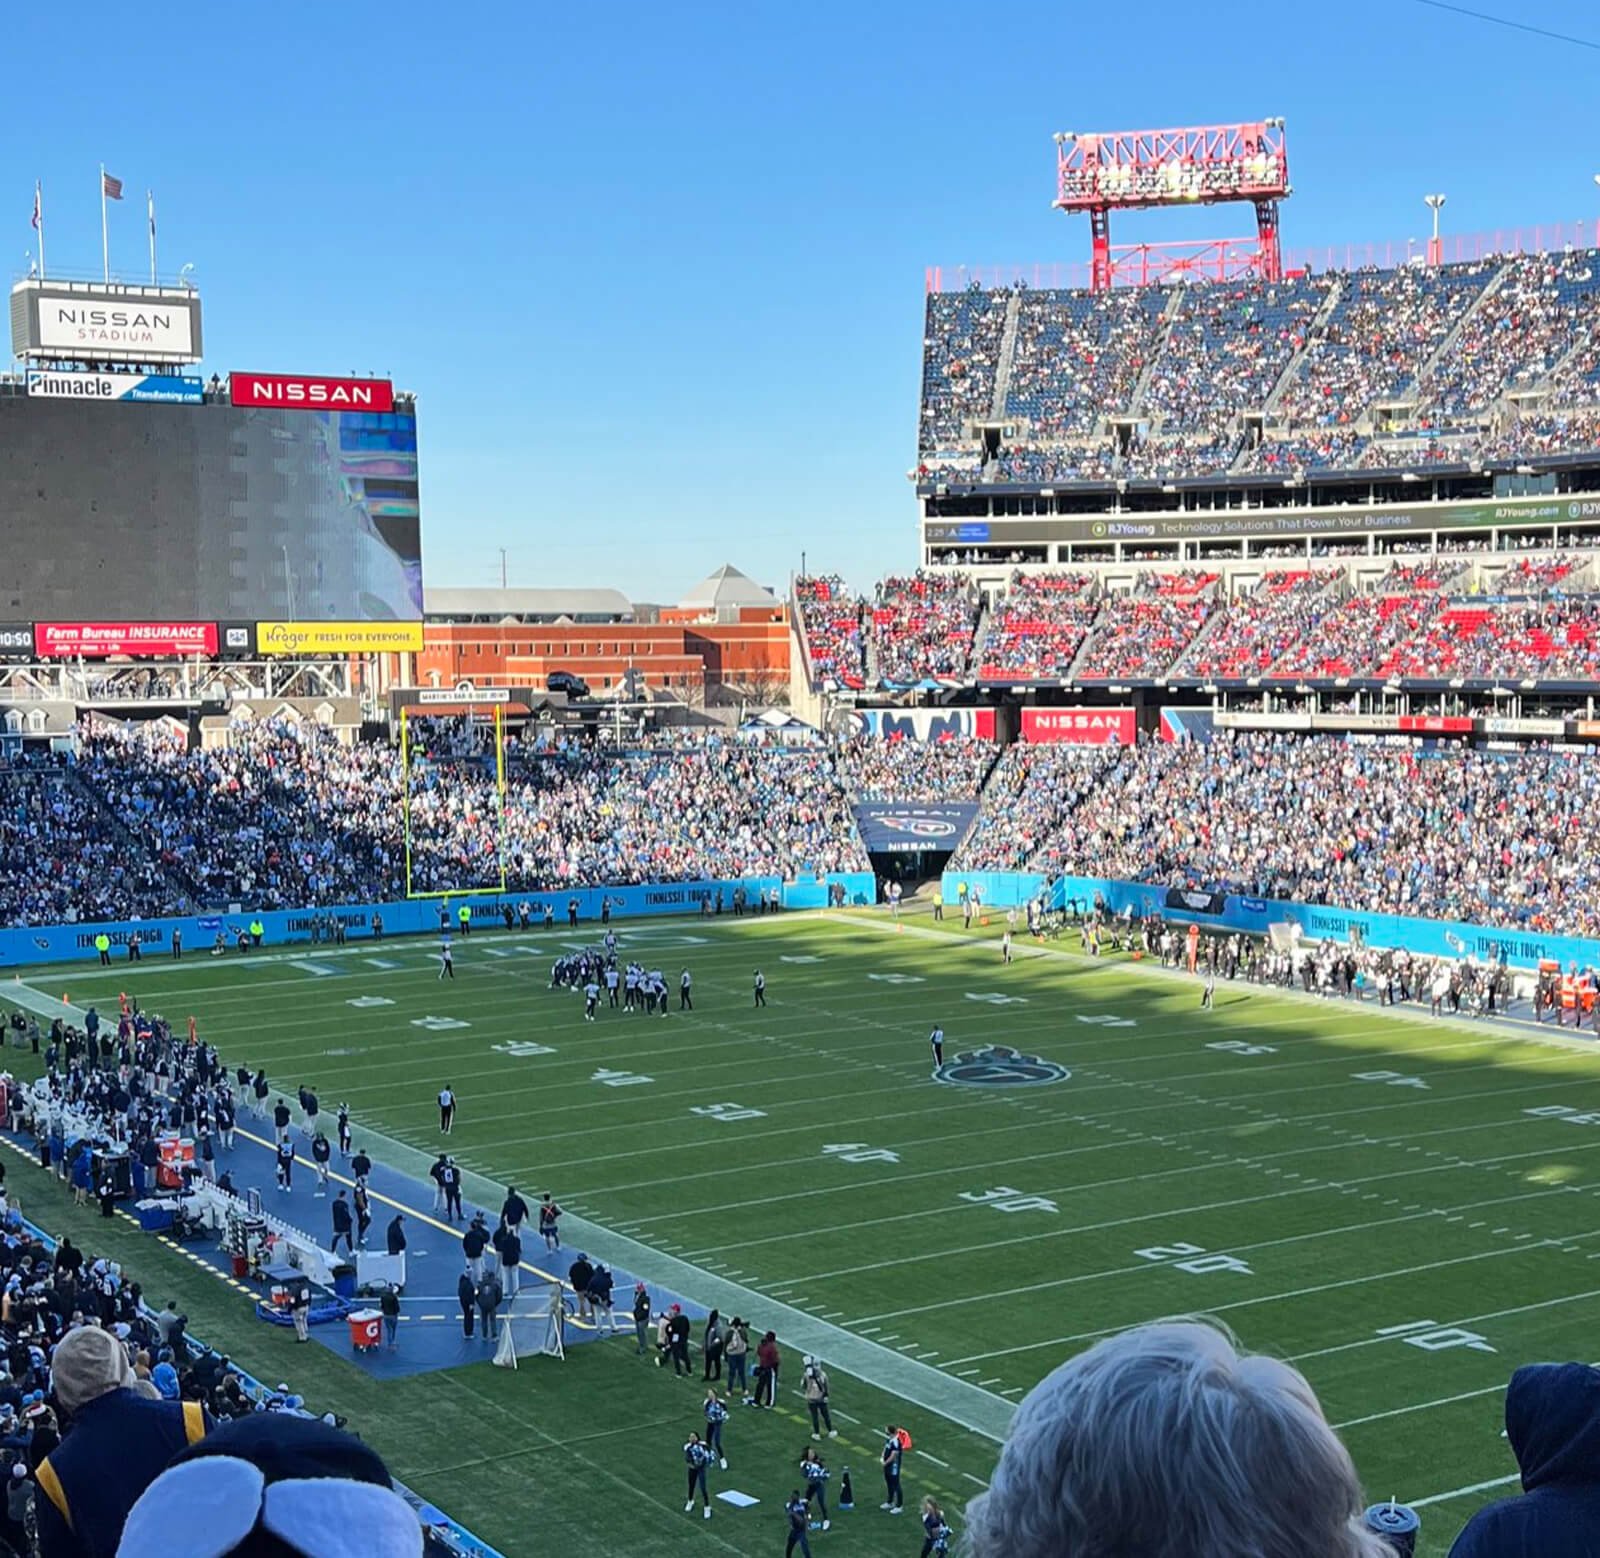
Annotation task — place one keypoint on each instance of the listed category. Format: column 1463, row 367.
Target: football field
column 1405, row 1209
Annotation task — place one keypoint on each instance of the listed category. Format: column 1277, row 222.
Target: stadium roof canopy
column 492, row 605
column 728, row 587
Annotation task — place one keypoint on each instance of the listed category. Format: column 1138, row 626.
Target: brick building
column 728, row 633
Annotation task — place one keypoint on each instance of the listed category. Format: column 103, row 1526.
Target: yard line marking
column 1494, row 1314
column 979, row 1480
column 1410, row 1215
column 934, row 1458
column 1455, row 1493
column 1310, row 1187
column 1421, row 1406
column 307, row 967
column 1267, row 1298
column 384, row 963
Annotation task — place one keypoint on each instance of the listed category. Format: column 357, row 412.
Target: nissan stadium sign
column 79, row 322
column 161, row 388
column 300, row 392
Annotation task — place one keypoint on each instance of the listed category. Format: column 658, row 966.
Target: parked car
column 565, row 681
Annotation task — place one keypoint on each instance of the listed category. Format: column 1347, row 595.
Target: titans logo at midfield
column 996, row 1065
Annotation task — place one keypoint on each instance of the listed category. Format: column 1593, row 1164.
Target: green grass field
column 1375, row 1197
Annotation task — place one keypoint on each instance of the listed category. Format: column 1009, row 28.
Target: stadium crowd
column 1450, row 833
column 286, row 815
column 1317, row 354
column 1040, row 626
column 952, row 769
column 922, row 626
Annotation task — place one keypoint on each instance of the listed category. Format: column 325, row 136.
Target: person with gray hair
column 1168, row 1440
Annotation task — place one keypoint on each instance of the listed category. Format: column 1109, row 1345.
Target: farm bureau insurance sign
column 57, row 639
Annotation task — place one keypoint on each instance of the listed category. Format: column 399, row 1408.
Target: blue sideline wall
column 1428, row 938
column 67, row 943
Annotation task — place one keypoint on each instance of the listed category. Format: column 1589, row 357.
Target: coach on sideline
column 1166, row 1439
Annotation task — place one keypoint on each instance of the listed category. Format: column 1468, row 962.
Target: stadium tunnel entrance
column 910, row 870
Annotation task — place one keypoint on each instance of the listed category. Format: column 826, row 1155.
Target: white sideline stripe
column 1476, row 1487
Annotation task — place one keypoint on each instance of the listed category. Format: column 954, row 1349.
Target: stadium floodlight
column 1435, row 203
column 1101, row 172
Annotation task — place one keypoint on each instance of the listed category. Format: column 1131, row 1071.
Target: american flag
column 110, row 187
column 38, row 205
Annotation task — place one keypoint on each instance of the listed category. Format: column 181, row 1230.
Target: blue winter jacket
column 1553, row 1423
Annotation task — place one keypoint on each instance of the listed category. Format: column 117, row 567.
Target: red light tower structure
column 1132, row 170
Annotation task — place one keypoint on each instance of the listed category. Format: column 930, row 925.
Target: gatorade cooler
column 174, row 1154
column 366, row 1329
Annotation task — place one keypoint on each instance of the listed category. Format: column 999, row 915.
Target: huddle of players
column 634, row 987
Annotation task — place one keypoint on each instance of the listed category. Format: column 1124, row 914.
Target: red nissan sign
column 298, row 392
column 98, row 639
column 1080, row 727
column 1436, row 724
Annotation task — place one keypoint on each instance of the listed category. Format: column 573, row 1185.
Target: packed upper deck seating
column 1382, row 328
column 832, row 619
column 1544, row 305
column 960, row 358
column 1144, row 633
column 1078, row 356
column 1438, row 349
column 1228, row 345
column 1036, row 632
column 922, row 627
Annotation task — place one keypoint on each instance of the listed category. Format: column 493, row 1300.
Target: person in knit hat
column 268, row 1485
column 117, row 1445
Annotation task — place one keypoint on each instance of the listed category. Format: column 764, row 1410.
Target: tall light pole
column 1435, row 203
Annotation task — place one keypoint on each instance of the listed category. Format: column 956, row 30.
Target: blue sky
column 656, row 273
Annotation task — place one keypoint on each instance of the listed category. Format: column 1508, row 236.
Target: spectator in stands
column 1553, row 1423
column 114, row 1445
column 952, row 769
column 1168, row 1440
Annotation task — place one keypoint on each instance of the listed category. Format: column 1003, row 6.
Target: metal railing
column 1456, row 249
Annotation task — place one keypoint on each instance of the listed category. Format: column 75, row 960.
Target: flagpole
column 150, row 200
column 105, row 241
column 38, row 206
